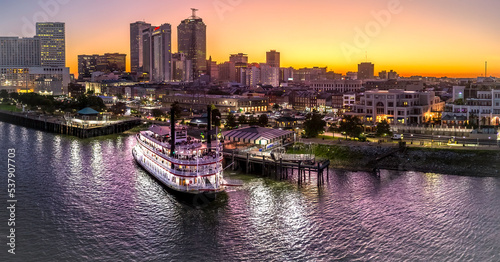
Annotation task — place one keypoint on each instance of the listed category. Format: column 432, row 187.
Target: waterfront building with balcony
column 473, row 106
column 398, row 107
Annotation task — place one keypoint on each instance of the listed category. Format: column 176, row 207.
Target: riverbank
column 362, row 157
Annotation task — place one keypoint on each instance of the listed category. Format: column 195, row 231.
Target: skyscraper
column 136, row 45
column 15, row 51
column 161, row 54
column 87, row 64
column 107, row 63
column 52, row 43
column 35, row 64
column 192, row 41
column 146, row 51
column 366, row 71
column 240, row 61
column 273, row 58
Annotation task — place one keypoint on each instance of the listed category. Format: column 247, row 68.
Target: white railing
column 396, row 128
column 199, row 161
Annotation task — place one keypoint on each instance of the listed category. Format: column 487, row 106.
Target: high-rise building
column 286, row 74
column 269, row 75
column 88, row 64
column 161, row 54
column 240, row 61
column 181, row 68
column 146, row 51
column 239, row 58
column 136, row 45
column 227, row 72
column 273, row 58
column 52, row 43
column 35, row 64
column 116, row 62
column 192, row 41
column 15, row 51
column 366, row 71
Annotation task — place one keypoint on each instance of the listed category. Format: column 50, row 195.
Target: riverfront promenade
column 62, row 125
column 441, row 142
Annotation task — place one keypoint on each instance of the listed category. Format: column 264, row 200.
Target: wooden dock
column 55, row 125
column 278, row 168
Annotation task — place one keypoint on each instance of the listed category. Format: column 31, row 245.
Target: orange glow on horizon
column 452, row 42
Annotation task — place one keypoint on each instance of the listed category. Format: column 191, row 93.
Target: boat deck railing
column 189, row 160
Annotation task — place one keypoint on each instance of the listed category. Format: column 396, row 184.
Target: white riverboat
column 182, row 163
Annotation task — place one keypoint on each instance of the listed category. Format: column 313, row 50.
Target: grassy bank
column 137, row 129
column 9, row 108
column 445, row 161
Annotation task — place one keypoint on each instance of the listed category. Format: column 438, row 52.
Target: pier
column 56, row 125
column 279, row 166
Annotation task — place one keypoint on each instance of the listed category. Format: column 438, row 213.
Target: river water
column 87, row 200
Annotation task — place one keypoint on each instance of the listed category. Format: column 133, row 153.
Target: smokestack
column 486, row 69
column 172, row 132
column 209, row 127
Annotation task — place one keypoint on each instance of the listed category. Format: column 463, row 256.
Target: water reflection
column 89, row 199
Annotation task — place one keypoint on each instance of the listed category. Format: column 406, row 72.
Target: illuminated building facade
column 136, row 45
column 398, row 106
column 35, row 64
column 192, row 41
column 52, row 44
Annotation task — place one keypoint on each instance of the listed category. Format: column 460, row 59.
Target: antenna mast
column 194, row 13
column 486, row 69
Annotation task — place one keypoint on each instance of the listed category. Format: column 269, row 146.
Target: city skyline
column 425, row 38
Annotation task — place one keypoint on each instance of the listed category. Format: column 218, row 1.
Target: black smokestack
column 172, row 131
column 209, row 127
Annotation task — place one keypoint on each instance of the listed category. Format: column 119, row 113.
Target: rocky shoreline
column 465, row 162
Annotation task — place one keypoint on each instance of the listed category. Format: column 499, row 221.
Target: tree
column 314, row 125
column 276, row 106
column 383, row 129
column 242, row 119
column 4, row 94
column 119, row 108
column 263, row 120
column 157, row 113
column 252, row 120
column 177, row 109
column 94, row 102
column 14, row 95
column 459, row 101
column 351, row 125
column 231, row 121
column 216, row 117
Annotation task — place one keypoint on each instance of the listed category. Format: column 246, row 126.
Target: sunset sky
column 425, row 37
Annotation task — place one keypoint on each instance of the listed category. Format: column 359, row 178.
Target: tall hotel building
column 52, row 44
column 157, row 53
column 35, row 64
column 136, row 45
column 192, row 41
